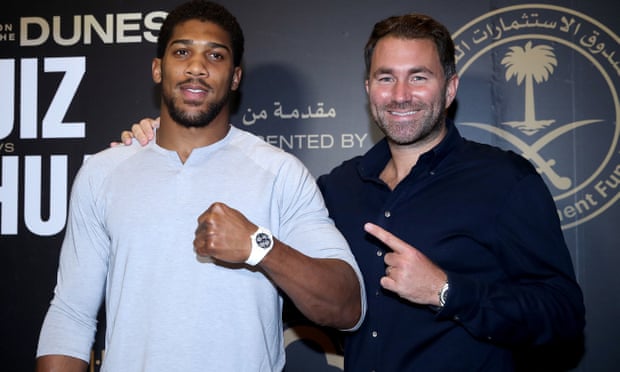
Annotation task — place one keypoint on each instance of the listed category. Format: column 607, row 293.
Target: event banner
column 537, row 78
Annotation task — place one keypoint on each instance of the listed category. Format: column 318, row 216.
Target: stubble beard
column 412, row 132
column 199, row 119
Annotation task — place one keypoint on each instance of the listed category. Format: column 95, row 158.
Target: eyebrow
column 413, row 70
column 211, row 44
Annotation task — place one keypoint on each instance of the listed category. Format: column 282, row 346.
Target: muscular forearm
column 60, row 363
column 326, row 291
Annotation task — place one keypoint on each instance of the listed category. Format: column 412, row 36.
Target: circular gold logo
column 542, row 80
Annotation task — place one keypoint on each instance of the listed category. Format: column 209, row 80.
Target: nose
column 401, row 91
column 197, row 67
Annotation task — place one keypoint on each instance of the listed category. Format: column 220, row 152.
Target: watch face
column 263, row 240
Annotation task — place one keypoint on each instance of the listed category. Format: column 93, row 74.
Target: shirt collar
column 373, row 162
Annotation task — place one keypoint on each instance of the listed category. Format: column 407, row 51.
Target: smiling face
column 197, row 74
column 408, row 92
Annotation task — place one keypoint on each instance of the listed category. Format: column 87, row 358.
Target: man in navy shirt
column 459, row 243
column 463, row 258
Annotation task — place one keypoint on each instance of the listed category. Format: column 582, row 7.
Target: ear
column 366, row 86
column 156, row 70
column 451, row 88
column 236, row 78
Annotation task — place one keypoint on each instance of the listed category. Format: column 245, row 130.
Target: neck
column 405, row 157
column 399, row 165
column 176, row 137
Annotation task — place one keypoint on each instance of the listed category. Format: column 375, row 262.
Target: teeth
column 396, row 113
column 195, row 90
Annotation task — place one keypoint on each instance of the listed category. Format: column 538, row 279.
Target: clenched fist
column 224, row 233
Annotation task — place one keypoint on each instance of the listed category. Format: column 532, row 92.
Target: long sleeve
column 539, row 300
column 70, row 324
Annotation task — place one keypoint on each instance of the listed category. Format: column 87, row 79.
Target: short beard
column 429, row 127
column 199, row 120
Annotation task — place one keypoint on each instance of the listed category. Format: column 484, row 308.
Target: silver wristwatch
column 443, row 294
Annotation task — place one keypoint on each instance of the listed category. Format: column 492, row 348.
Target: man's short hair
column 414, row 26
column 205, row 11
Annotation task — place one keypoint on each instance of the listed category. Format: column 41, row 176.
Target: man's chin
column 192, row 120
column 193, row 113
column 193, row 123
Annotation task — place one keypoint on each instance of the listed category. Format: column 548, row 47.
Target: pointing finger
column 386, row 237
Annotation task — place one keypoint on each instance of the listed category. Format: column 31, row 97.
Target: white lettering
column 301, row 141
column 361, row 139
column 53, row 127
column 90, row 24
column 579, row 207
column 151, row 22
column 77, row 31
column 7, row 96
column 24, row 26
column 126, row 27
column 347, row 141
column 28, row 98
column 38, row 220
column 7, row 37
column 602, row 187
column 327, row 141
column 58, row 195
column 8, row 196
column 350, row 140
column 124, row 24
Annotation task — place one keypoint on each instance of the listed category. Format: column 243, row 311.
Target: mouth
column 403, row 113
column 402, row 109
column 194, row 90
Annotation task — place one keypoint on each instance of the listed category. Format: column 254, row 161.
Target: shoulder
column 251, row 142
column 111, row 157
column 263, row 154
column 341, row 172
column 494, row 159
column 99, row 166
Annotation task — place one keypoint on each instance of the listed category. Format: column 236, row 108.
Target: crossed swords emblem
column 531, row 152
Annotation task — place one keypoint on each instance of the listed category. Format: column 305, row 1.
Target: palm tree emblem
column 529, row 64
column 533, row 65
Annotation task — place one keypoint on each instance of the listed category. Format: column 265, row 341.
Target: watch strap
column 261, row 244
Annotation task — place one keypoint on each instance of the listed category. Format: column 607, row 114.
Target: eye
column 385, row 78
column 181, row 52
column 216, row 56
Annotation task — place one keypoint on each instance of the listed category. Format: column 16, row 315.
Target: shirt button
column 387, row 214
column 374, row 334
column 379, row 253
column 377, row 293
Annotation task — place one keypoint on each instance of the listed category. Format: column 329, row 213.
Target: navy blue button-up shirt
column 487, row 219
